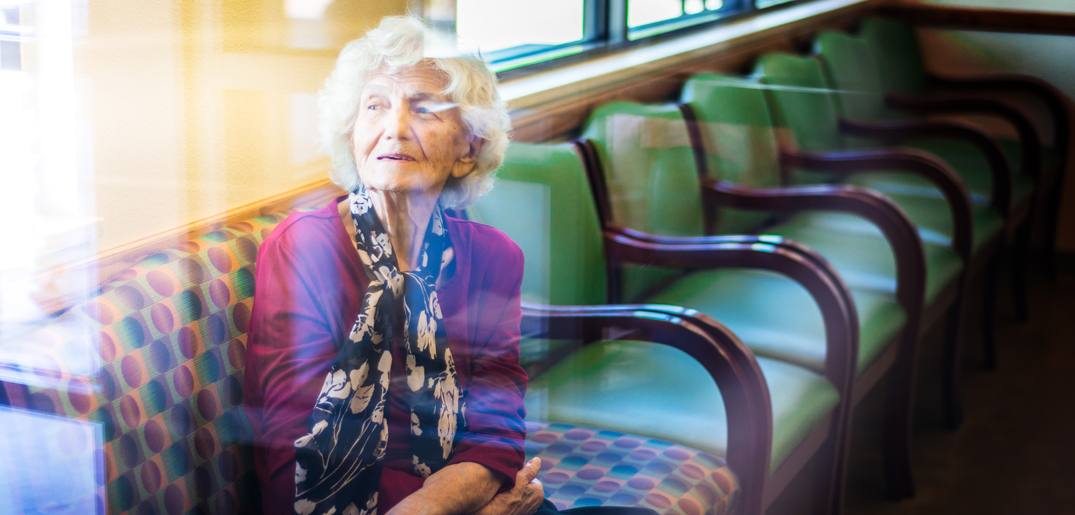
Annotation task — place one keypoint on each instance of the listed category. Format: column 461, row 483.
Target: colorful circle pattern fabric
column 589, row 467
column 171, row 332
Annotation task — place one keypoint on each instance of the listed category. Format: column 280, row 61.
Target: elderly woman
column 382, row 367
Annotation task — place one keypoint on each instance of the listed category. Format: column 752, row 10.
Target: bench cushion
column 169, row 336
column 582, row 466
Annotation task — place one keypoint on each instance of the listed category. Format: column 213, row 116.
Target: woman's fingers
column 532, row 498
column 528, row 473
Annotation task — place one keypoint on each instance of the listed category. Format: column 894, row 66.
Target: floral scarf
column 338, row 464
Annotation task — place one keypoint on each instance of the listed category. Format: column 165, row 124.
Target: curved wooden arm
column 1028, row 135
column 897, row 229
column 731, row 365
column 841, row 343
column 905, row 160
column 896, row 132
column 1043, row 91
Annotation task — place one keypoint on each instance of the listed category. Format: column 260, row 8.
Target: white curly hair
column 399, row 43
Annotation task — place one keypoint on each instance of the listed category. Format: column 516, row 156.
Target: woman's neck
column 405, row 217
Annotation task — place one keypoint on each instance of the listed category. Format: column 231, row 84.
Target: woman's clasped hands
column 524, row 498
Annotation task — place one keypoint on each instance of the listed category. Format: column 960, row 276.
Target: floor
column 1015, row 451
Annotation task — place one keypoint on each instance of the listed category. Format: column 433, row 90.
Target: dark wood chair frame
column 731, row 365
column 1017, row 218
column 1017, row 226
column 949, row 303
column 907, row 248
column 1050, row 188
column 826, row 443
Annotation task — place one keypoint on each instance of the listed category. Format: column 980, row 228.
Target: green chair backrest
column 542, row 201
column 852, row 71
column 800, row 99
column 651, row 178
column 898, row 55
column 737, row 135
column 802, row 103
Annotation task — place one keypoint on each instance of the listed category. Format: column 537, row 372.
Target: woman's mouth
column 395, row 157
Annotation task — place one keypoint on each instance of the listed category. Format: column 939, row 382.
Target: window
column 647, row 18
column 764, row 4
column 517, row 34
column 46, row 192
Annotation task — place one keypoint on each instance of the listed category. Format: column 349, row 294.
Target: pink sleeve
column 494, row 399
column 290, row 347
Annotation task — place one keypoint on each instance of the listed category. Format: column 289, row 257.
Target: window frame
column 606, row 31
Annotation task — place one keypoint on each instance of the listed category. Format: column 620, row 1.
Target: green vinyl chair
column 851, row 68
column 806, row 108
column 910, row 88
column 644, row 156
column 543, row 202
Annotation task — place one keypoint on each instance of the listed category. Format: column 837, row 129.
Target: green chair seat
column 933, row 218
column 660, row 392
column 868, row 262
column 928, row 210
column 974, row 170
column 791, row 330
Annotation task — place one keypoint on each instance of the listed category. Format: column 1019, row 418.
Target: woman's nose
column 399, row 124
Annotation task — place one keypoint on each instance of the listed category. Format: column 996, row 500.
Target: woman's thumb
column 529, row 471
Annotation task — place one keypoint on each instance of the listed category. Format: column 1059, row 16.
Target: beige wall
column 194, row 108
column 1050, row 57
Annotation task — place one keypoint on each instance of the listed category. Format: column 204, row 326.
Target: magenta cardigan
column 309, row 284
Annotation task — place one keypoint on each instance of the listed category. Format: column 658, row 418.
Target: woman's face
column 407, row 137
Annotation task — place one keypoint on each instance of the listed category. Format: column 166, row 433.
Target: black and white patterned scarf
column 338, row 464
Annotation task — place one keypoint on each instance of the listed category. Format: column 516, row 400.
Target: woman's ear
column 466, row 163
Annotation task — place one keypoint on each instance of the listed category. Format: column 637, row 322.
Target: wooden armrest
column 904, row 160
column 828, row 292
column 730, row 363
column 901, row 234
column 896, row 132
column 1028, row 135
column 1043, row 91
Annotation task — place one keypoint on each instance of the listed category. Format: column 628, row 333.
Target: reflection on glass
column 46, row 193
column 762, row 4
column 645, row 12
column 497, row 25
column 51, row 464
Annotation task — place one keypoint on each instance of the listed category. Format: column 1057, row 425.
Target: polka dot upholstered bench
column 155, row 364
column 582, row 466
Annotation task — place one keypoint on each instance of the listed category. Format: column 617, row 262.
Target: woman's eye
column 423, row 110
column 373, row 107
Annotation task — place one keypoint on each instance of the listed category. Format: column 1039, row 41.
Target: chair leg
column 1052, row 212
column 899, row 409
column 828, row 494
column 989, row 307
column 952, row 365
column 831, row 481
column 1020, row 250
